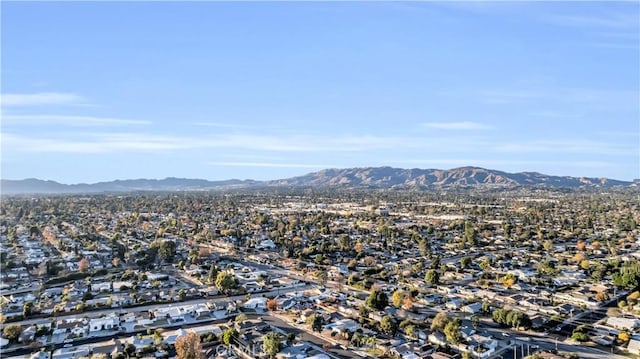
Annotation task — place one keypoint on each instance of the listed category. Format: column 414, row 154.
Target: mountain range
column 369, row 177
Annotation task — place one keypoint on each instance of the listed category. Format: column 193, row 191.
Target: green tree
column 316, row 322
column 440, row 321
column 12, row 332
column 130, row 350
column 464, row 262
column 213, row 274
column 229, row 335
column 628, row 275
column 225, row 281
column 27, row 308
column 486, row 263
column 424, row 247
column 388, row 325
column 470, row 235
column 452, row 331
column 410, row 331
column 377, row 300
column 579, row 337
column 397, row 297
column 475, row 322
column 272, row 344
column 322, row 277
column 432, row 277
column 167, row 250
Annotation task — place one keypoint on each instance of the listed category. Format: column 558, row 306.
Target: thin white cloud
column 609, row 99
column 464, row 125
column 225, row 125
column 119, row 142
column 567, row 146
column 98, row 143
column 611, row 20
column 267, row 164
column 78, row 121
column 40, row 98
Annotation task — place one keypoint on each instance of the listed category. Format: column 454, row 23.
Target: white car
column 505, row 334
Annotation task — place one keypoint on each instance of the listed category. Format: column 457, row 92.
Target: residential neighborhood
column 333, row 274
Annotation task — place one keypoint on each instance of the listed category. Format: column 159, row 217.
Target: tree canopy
column 188, row 346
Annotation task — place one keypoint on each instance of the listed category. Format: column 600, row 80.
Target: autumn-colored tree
column 407, row 302
column 272, row 304
column 188, row 346
column 83, row 265
column 602, row 296
column 624, row 336
column 581, row 245
column 204, row 252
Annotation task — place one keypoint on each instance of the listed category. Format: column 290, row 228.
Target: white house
column 634, row 346
column 108, row 323
column 472, row 308
column 256, row 303
column 623, row 323
column 348, row 324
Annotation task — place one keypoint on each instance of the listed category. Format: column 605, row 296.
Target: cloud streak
column 40, row 98
column 612, row 20
column 464, row 125
column 77, row 121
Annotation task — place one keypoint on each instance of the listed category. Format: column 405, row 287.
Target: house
column 472, row 308
column 256, row 303
column 170, row 338
column 454, row 303
column 437, row 338
column 103, row 287
column 141, row 343
column 107, row 323
column 40, row 355
column 343, row 324
column 71, row 353
column 28, row 334
column 169, row 312
column 634, row 345
column 623, row 323
column 107, row 348
column 412, row 350
column 76, row 327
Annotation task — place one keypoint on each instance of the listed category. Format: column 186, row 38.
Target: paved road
column 304, row 335
column 98, row 313
column 527, row 341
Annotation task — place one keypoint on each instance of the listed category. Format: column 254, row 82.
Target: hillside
column 370, row 177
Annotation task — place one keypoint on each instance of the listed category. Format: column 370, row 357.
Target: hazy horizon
column 279, row 178
column 102, row 91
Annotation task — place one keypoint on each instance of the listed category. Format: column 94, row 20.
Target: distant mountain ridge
column 32, row 185
column 367, row 177
column 389, row 177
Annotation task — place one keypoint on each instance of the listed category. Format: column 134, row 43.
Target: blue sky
column 100, row 91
